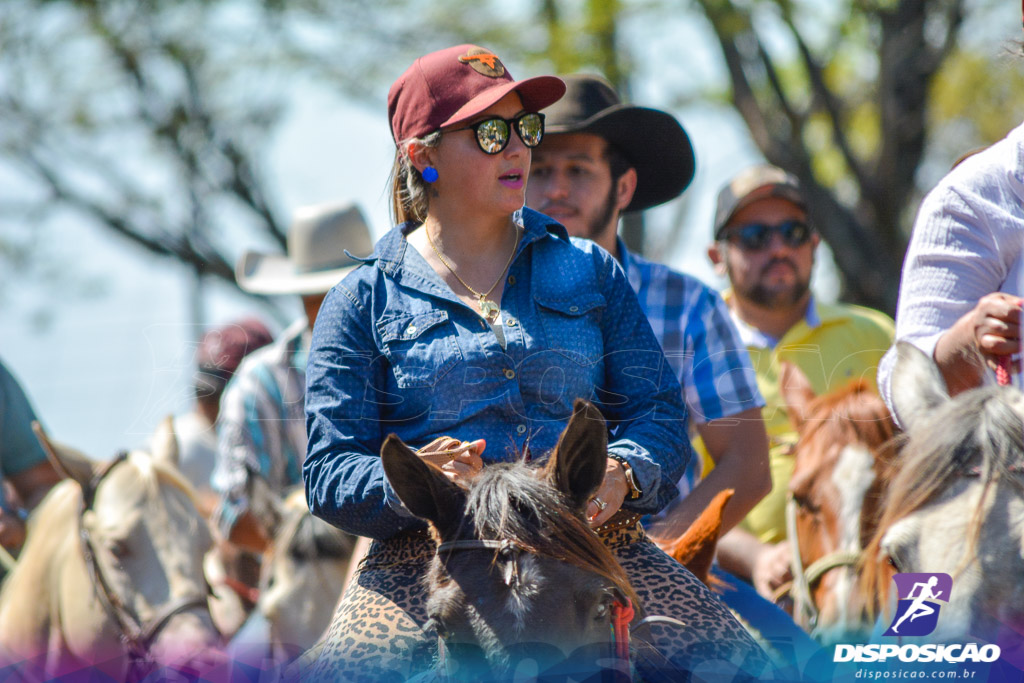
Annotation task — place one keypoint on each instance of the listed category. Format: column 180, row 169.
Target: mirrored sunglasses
column 493, row 134
column 757, row 236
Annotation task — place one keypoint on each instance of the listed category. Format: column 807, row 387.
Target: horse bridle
column 137, row 637
column 622, row 608
column 800, row 588
column 803, row 579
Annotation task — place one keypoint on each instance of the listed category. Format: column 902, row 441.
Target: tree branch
column 831, row 105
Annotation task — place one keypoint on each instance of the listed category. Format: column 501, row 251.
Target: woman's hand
column 12, row 530
column 611, row 493
column 467, row 464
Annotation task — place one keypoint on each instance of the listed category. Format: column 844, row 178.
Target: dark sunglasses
column 757, row 236
column 493, row 134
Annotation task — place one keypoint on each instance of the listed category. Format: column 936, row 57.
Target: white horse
column 303, row 576
column 956, row 505
column 111, row 575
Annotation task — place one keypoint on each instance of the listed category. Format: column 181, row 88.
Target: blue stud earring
column 430, row 174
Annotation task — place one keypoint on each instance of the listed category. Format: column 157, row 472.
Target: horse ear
column 422, row 487
column 577, row 465
column 797, row 393
column 917, row 385
column 695, row 549
column 165, row 443
column 69, row 463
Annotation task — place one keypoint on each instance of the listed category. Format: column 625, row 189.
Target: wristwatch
column 634, row 487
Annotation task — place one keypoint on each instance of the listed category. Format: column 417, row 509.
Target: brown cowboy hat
column 653, row 141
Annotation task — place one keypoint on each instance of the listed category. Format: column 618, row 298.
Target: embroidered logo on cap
column 484, row 62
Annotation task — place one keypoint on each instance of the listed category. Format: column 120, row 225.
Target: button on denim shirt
column 396, row 351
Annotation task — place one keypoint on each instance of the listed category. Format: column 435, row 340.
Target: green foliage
column 980, row 95
column 151, row 118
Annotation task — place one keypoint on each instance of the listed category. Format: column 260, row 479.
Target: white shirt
column 197, row 450
column 968, row 241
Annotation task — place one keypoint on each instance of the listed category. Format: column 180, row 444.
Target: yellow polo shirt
column 834, row 345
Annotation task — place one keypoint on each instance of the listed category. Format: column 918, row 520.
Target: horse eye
column 602, row 610
column 118, row 549
column 806, row 505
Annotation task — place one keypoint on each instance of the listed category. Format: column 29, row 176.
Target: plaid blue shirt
column 700, row 341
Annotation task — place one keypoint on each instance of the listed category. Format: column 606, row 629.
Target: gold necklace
column 488, row 308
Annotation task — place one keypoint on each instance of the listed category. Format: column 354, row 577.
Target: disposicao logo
column 918, row 609
column 917, row 614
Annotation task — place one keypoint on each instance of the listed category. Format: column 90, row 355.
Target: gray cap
column 751, row 184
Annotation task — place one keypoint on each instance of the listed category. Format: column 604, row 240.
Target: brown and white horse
column 843, row 460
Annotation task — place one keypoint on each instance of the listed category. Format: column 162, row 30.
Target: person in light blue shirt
column 482, row 321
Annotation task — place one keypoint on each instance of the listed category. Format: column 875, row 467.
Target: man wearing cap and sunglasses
column 219, row 353
column 765, row 246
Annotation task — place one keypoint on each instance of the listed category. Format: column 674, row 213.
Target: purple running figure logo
column 918, row 609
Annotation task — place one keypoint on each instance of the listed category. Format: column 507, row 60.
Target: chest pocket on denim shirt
column 572, row 326
column 422, row 348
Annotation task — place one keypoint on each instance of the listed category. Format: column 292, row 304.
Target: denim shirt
column 396, row 351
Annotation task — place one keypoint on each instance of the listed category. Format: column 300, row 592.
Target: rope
column 1003, row 371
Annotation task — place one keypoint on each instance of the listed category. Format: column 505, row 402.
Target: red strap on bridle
column 622, row 615
column 245, row 592
column 1003, row 371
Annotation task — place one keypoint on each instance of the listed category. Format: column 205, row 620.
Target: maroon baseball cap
column 455, row 84
column 221, row 350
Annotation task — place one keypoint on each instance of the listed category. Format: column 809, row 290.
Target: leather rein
column 799, row 588
column 136, row 636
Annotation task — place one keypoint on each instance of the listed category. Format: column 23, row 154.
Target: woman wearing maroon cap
column 479, row 320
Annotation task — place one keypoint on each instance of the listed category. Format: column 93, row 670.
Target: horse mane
column 509, row 501
column 49, row 539
column 151, row 471
column 979, row 429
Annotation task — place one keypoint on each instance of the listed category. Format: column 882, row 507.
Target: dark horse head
column 519, row 574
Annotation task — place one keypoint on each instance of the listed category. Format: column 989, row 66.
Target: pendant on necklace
column 489, row 309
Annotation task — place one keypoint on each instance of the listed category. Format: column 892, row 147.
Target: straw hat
column 318, row 238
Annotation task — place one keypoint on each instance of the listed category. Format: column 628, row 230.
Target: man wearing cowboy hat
column 600, row 158
column 262, row 424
